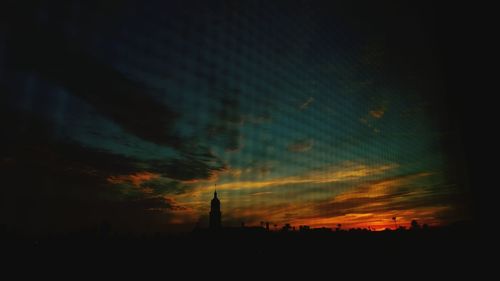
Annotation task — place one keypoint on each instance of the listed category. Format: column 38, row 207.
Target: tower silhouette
column 215, row 214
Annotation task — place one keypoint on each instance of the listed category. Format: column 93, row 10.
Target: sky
column 305, row 113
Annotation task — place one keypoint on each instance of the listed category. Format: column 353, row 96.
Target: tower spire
column 215, row 214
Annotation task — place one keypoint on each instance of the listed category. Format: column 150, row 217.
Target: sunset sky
column 304, row 113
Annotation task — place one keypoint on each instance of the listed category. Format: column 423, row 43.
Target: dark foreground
column 425, row 248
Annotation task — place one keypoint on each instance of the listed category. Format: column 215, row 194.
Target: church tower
column 215, row 214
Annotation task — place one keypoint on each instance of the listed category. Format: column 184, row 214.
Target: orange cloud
column 374, row 205
column 378, row 189
column 135, row 179
column 261, row 193
column 377, row 113
column 344, row 172
column 198, row 197
column 371, row 203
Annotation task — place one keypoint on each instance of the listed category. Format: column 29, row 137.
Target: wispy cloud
column 261, row 193
column 370, row 119
column 239, row 196
column 301, row 145
column 368, row 203
column 375, row 203
column 378, row 113
column 135, row 179
column 338, row 173
column 306, row 103
column 378, row 189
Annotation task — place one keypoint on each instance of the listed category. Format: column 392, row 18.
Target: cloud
column 306, row 103
column 379, row 188
column 373, row 196
column 253, row 216
column 338, row 173
column 84, row 180
column 256, row 170
column 164, row 186
column 379, row 110
column 57, row 186
column 377, row 113
column 62, row 63
column 370, row 119
column 376, row 202
column 369, row 202
column 135, row 179
column 36, row 144
column 238, row 196
column 189, row 168
column 63, row 188
column 261, row 193
column 136, row 182
column 301, row 145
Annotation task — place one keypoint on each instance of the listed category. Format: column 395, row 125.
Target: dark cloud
column 45, row 190
column 60, row 187
column 46, row 50
column 188, row 168
column 53, row 185
column 30, row 140
column 162, row 186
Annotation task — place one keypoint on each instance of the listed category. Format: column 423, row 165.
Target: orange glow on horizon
column 376, row 221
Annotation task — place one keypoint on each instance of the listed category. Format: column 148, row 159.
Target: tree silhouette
column 287, row 227
column 414, row 225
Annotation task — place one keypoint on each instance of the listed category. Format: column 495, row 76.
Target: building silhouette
column 215, row 214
